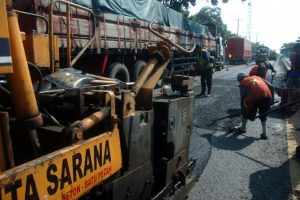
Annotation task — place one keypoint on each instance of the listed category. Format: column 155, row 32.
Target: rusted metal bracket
column 7, row 155
column 169, row 41
column 144, row 97
column 35, row 15
column 77, row 129
column 128, row 104
column 51, row 34
column 141, row 93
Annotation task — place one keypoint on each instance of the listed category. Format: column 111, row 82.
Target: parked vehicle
column 238, row 51
column 273, row 55
column 262, row 53
column 218, row 53
column 113, row 41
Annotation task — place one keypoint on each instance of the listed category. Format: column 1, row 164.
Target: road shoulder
column 293, row 139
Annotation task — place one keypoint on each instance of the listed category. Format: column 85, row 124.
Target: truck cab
column 218, row 52
column 262, row 53
column 219, row 61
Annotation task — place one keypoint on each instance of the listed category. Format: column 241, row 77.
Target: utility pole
column 238, row 24
column 248, row 30
column 256, row 37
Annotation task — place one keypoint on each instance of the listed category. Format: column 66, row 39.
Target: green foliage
column 204, row 16
column 185, row 13
column 213, row 15
column 215, row 2
column 255, row 45
column 178, row 5
column 183, row 5
column 287, row 48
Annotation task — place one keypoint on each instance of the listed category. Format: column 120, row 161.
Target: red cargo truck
column 238, row 50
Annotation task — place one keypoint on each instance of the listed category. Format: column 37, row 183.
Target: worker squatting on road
column 255, row 94
column 205, row 70
column 261, row 68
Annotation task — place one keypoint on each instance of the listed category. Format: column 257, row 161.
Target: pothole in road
column 277, row 127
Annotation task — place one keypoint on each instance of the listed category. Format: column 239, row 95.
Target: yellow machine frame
column 65, row 174
column 72, row 171
column 5, row 56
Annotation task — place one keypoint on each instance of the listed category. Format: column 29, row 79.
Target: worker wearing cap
column 205, row 70
column 255, row 94
column 261, row 68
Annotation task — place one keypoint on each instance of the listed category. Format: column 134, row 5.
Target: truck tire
column 118, row 71
column 137, row 69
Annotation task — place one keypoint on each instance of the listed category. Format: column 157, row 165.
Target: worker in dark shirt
column 205, row 70
column 255, row 95
column 293, row 82
column 293, row 79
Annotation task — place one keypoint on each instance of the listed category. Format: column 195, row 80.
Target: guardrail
column 285, row 63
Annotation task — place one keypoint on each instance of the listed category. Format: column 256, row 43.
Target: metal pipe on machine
column 20, row 84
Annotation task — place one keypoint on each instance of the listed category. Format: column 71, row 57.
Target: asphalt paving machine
column 72, row 135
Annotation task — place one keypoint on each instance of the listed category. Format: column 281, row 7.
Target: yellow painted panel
column 5, row 56
column 65, row 174
column 3, row 21
column 37, row 49
column 41, row 50
column 6, row 69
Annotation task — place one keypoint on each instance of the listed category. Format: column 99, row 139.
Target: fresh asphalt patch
column 231, row 166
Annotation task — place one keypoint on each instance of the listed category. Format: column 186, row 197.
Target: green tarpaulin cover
column 147, row 10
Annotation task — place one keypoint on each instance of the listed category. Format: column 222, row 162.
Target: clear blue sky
column 273, row 22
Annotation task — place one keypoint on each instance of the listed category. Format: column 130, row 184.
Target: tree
column 215, row 2
column 183, row 5
column 178, row 5
column 213, row 15
column 287, row 48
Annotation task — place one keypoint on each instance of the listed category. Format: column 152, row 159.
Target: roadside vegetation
column 287, row 48
column 213, row 15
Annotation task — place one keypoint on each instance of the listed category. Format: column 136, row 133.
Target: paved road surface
column 238, row 166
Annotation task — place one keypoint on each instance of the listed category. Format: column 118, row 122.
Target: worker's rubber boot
column 244, row 123
column 202, row 93
column 241, row 129
column 209, row 92
column 263, row 136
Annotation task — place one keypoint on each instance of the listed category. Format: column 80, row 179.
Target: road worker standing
column 261, row 68
column 205, row 70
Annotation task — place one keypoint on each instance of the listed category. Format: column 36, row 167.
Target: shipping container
column 238, row 51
